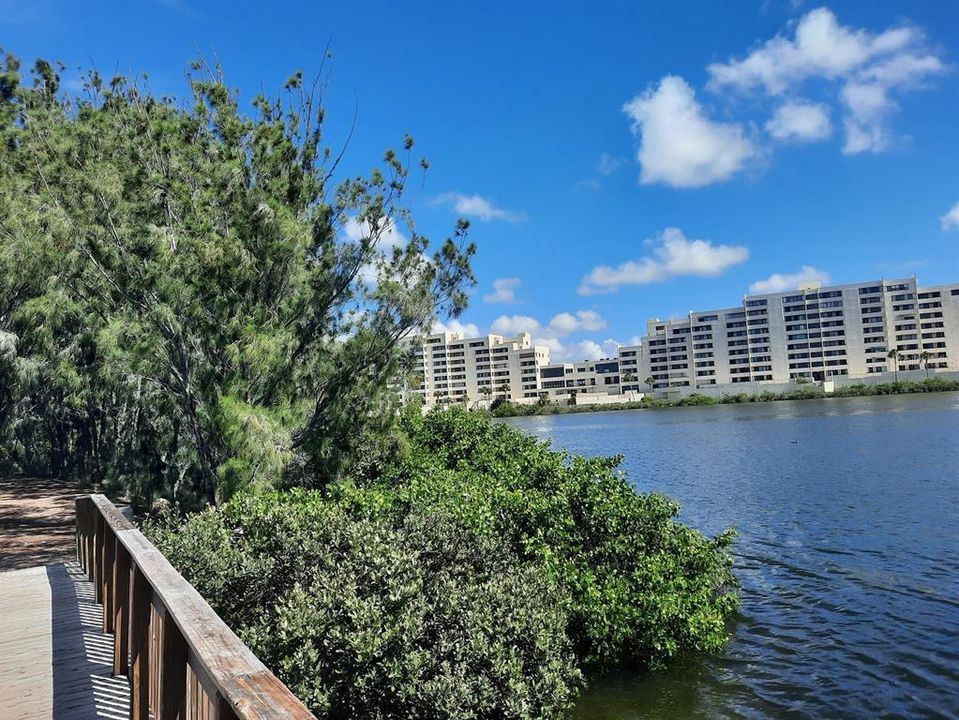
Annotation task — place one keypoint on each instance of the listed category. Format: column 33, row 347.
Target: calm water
column 848, row 553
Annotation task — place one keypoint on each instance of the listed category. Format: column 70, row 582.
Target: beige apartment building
column 563, row 381
column 819, row 333
column 448, row 368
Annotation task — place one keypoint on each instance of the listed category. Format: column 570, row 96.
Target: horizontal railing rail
column 181, row 659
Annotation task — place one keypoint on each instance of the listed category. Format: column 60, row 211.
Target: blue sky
column 618, row 160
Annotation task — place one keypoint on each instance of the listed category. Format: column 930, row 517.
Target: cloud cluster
column 560, row 326
column 477, row 206
column 950, row 221
column 455, row 326
column 779, row 282
column 504, row 291
column 868, row 67
column 673, row 255
column 561, row 352
column 679, row 145
column 554, row 334
column 860, row 72
column 800, row 121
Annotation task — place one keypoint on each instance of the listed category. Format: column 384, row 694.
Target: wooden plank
column 54, row 658
column 106, row 594
column 121, row 616
column 173, row 689
column 140, row 610
column 109, row 512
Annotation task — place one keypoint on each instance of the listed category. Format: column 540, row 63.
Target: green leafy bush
column 380, row 616
column 642, row 587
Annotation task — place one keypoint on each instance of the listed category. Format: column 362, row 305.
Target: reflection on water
column 848, row 552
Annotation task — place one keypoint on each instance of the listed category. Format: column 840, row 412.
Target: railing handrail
column 181, row 659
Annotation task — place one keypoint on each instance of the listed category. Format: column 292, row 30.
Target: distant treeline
column 806, row 392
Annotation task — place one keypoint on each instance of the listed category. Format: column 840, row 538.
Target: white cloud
column 590, row 350
column 679, row 145
column 559, row 326
column 802, row 121
column 950, row 221
column 610, row 347
column 557, row 351
column 869, row 67
column 821, row 48
column 903, row 69
column 477, row 206
column 455, row 326
column 504, row 291
column 608, row 164
column 553, row 334
column 560, row 352
column 514, row 324
column 779, row 282
column 867, row 106
column 568, row 323
column 389, row 236
column 673, row 255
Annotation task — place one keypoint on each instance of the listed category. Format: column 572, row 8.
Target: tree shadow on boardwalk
column 82, row 654
column 36, row 522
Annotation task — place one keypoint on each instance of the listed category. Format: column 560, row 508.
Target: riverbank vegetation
column 805, row 392
column 193, row 310
column 477, row 574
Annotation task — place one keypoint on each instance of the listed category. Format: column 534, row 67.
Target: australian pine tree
column 191, row 299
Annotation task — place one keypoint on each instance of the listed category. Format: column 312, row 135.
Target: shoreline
column 809, row 392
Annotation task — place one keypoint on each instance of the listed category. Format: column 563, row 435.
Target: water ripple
column 848, row 554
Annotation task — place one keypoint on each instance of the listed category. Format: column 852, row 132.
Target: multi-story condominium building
column 814, row 332
column 561, row 381
column 819, row 333
column 448, row 368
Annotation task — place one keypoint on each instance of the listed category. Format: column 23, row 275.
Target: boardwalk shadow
column 83, row 684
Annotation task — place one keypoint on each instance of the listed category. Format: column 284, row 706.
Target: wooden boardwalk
column 56, row 662
column 118, row 634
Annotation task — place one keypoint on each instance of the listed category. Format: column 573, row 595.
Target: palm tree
column 487, row 391
column 649, row 382
column 628, row 376
column 894, row 356
column 504, row 387
column 924, row 358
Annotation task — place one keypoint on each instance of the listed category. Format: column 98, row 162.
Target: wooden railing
column 182, row 661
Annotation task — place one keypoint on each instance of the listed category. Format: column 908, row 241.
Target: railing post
column 78, row 533
column 97, row 574
column 140, row 604
column 83, row 545
column 88, row 539
column 108, row 576
column 121, row 607
column 173, row 669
